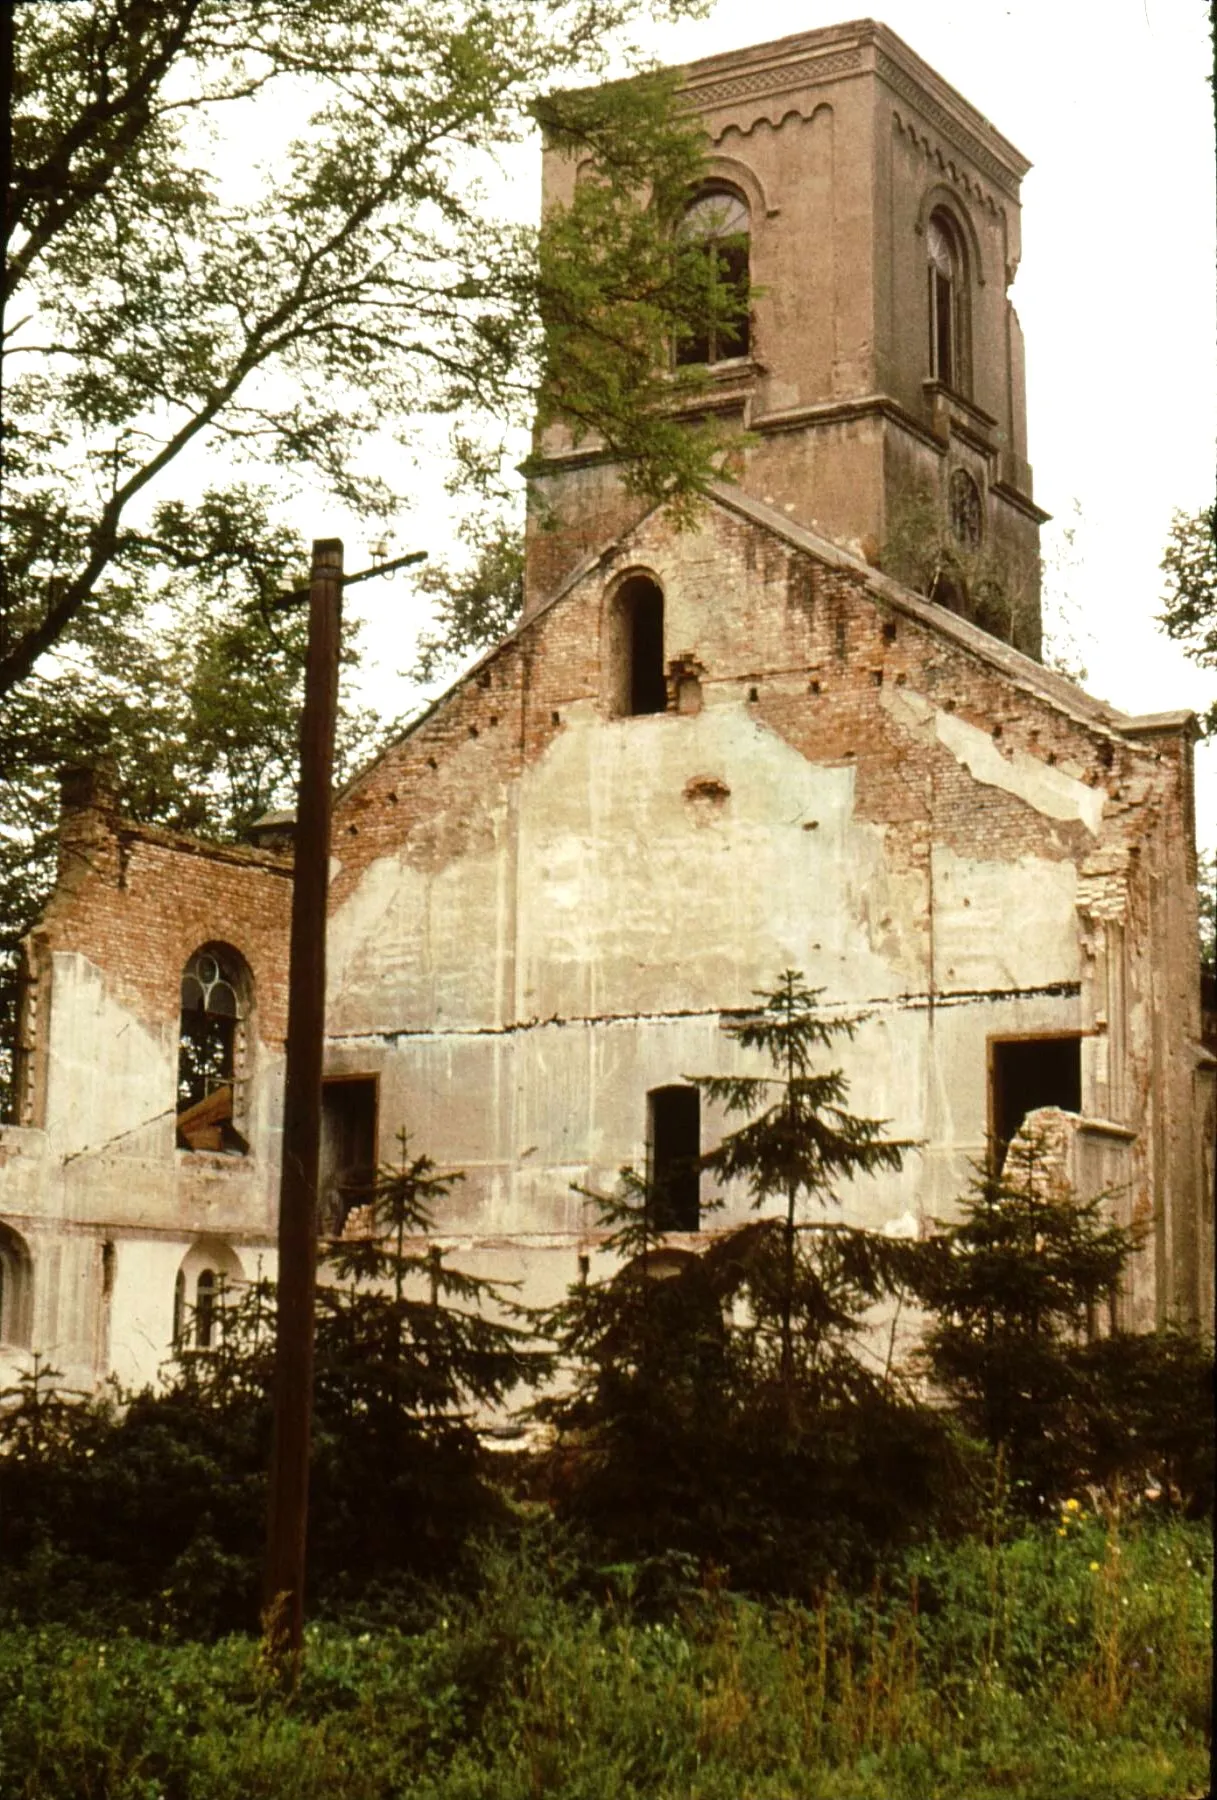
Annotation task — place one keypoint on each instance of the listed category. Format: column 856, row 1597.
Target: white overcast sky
column 1116, row 293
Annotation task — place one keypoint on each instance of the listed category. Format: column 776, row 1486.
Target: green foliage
column 724, row 1406
column 164, row 307
column 408, row 1350
column 620, row 289
column 806, row 1290
column 477, row 605
column 1012, row 1286
column 1189, row 616
column 985, row 585
column 645, row 1423
column 966, row 1673
column 152, row 1513
column 1147, row 1414
column 190, row 689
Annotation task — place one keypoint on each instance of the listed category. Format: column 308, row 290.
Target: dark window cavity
column 717, row 226
column 1028, row 1073
column 947, row 301
column 641, row 682
column 205, row 1298
column 674, row 1138
column 348, row 1148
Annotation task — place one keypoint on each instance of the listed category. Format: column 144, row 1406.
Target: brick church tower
column 880, row 374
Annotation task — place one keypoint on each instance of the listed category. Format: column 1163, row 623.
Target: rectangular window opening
column 347, row 1172
column 1026, row 1073
column 674, row 1141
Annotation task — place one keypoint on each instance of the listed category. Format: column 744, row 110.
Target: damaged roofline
column 1043, row 684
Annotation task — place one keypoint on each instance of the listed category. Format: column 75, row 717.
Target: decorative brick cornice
column 778, row 78
column 951, row 127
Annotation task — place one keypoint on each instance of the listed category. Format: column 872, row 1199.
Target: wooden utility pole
column 283, row 1596
column 287, row 1516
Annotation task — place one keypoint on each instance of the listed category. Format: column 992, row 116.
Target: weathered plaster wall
column 542, row 911
column 93, row 1184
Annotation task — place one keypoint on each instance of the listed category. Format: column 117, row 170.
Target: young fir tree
column 409, row 1351
column 808, row 1284
column 645, row 1350
column 1014, row 1286
column 723, row 1403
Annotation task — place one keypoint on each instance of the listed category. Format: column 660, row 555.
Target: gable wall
column 552, row 918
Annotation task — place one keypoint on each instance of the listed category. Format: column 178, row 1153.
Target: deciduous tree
column 174, row 291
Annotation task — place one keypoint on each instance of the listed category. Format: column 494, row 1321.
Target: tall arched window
column 948, row 301
column 211, row 1050
column 640, row 681
column 717, row 224
column 205, row 1309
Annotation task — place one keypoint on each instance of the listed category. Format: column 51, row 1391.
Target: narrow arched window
column 640, row 679
column 211, row 1050
column 205, row 1309
column 948, row 318
column 16, row 1289
column 717, row 227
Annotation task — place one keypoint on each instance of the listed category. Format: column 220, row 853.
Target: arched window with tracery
column 208, row 1279
column 717, row 225
column 212, row 1050
column 948, row 301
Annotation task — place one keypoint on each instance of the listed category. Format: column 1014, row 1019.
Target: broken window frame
column 213, row 1013
column 674, row 1156
column 343, row 1187
column 998, row 1145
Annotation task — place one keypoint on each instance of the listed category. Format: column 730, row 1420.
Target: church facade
column 700, row 758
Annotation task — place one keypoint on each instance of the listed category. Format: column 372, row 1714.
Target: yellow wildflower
column 1094, row 1568
column 1072, row 1506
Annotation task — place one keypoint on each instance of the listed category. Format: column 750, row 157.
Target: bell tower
column 879, row 373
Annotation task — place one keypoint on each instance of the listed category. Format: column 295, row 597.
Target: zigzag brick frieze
column 779, row 78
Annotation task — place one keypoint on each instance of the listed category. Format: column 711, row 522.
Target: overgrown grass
column 1035, row 1665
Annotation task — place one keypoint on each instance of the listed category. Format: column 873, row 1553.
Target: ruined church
column 700, row 757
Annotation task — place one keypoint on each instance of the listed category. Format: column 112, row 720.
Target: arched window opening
column 211, row 1049
column 641, row 682
column 205, row 1298
column 209, row 1278
column 16, row 1290
column 674, row 1156
column 717, row 224
column 963, row 497
column 948, row 319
